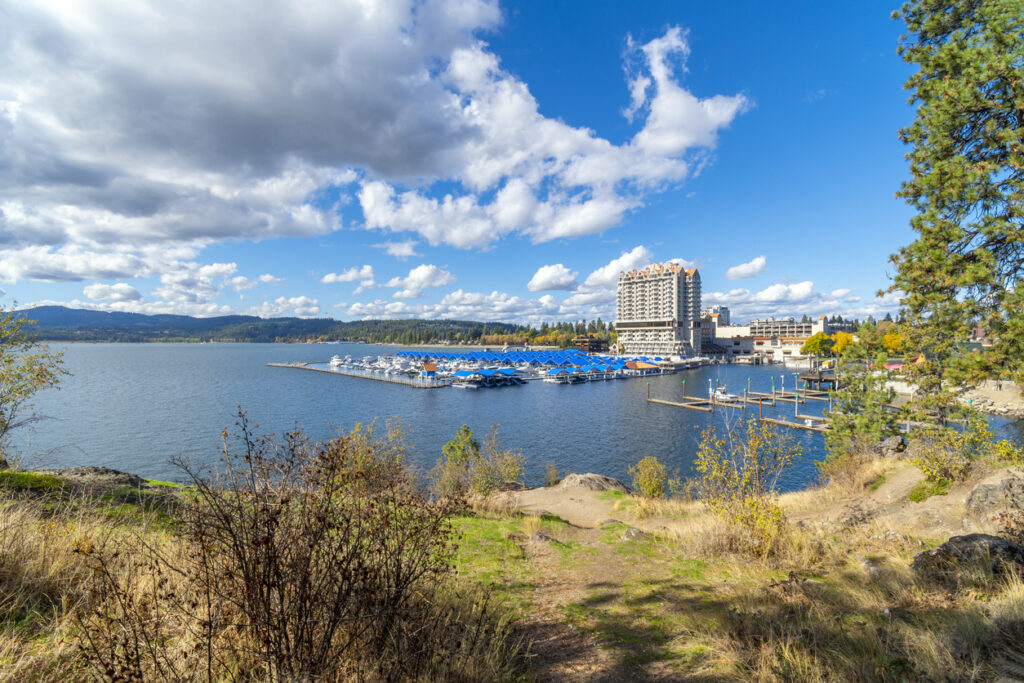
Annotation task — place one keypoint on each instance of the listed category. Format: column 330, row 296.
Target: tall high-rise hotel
column 659, row 310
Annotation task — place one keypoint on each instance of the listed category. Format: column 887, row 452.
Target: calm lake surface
column 133, row 407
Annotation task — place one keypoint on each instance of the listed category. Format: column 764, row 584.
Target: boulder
column 973, row 551
column 544, row 538
column 633, row 534
column 985, row 501
column 891, row 447
column 592, row 482
column 103, row 476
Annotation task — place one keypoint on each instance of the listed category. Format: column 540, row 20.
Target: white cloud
column 551, row 180
column 350, row 275
column 677, row 119
column 840, row 293
column 553, row 277
column 748, row 269
column 112, row 293
column 203, row 310
column 608, row 275
column 297, row 306
column 400, row 250
column 421, row 277
column 270, row 279
column 137, row 135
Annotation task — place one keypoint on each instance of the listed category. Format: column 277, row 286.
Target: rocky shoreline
column 1002, row 398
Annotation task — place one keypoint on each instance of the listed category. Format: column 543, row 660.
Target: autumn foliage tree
column 26, row 367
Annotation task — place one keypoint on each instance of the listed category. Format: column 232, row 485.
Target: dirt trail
column 608, row 606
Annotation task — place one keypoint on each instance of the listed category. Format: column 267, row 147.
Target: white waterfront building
column 659, row 311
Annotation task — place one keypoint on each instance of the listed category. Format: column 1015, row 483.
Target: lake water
column 134, row 407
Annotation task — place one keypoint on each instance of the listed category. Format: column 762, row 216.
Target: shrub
column 946, row 454
column 298, row 561
column 738, row 478
column 464, row 466
column 551, row 475
column 649, row 477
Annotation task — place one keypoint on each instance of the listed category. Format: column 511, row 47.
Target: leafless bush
column 300, row 561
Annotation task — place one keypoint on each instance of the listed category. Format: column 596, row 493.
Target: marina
column 489, row 370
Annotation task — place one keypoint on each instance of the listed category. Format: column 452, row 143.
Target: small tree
column 860, row 415
column 818, row 345
column 841, row 341
column 26, row 366
column 464, row 466
column 649, row 477
column 738, row 479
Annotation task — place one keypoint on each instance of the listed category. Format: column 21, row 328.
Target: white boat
column 720, row 394
column 336, row 361
column 465, row 385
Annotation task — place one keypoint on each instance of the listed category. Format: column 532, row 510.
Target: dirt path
column 602, row 604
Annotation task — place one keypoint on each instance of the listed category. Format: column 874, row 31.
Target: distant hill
column 57, row 323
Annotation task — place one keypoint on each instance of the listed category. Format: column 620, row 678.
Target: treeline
column 70, row 325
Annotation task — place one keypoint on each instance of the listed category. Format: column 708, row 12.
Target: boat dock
column 415, row 382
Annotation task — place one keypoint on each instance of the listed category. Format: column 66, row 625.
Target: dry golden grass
column 45, row 580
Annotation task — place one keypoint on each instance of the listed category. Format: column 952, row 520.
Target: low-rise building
column 772, row 339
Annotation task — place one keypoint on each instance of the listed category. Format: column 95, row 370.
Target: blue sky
column 450, row 158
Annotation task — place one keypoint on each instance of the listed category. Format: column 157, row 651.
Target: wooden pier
column 819, row 378
column 821, row 429
column 810, row 423
column 414, row 382
column 690, row 404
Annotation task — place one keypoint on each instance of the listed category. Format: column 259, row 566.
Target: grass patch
column 167, row 484
column 926, row 489
column 877, row 483
column 610, row 495
column 31, row 481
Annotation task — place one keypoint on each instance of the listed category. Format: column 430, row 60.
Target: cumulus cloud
column 608, row 275
column 112, row 293
column 400, row 250
column 297, row 306
column 420, row 278
column 748, row 269
column 553, row 277
column 350, row 275
column 546, row 179
column 677, row 119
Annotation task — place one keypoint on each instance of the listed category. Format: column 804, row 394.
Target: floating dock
column 415, row 382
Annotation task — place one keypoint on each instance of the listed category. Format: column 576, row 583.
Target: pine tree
column 966, row 185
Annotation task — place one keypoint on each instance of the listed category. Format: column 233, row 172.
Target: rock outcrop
column 962, row 554
column 891, row 447
column 592, row 482
column 986, row 501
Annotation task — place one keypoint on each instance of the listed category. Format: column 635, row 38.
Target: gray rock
column 544, row 538
column 610, row 520
column 891, row 447
column 513, row 486
column 91, row 474
column 873, row 569
column 987, row 500
column 977, row 551
column 592, row 482
column 634, row 534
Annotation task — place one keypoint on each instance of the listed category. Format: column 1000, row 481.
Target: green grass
column 168, row 484
column 877, row 483
column 488, row 554
column 611, row 495
column 926, row 489
column 31, row 481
